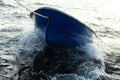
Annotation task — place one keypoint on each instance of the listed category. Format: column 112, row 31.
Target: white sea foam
column 94, row 50
column 35, row 41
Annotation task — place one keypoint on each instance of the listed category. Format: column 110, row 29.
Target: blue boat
column 61, row 29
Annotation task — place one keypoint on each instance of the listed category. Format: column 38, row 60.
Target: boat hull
column 61, row 29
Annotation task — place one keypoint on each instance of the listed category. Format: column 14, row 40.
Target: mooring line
column 46, row 17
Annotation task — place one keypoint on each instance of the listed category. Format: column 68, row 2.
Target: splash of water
column 90, row 67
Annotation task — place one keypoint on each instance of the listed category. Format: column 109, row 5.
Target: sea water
column 17, row 33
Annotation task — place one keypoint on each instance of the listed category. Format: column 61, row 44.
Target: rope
column 46, row 17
